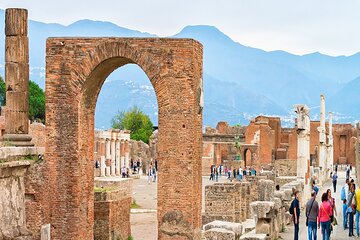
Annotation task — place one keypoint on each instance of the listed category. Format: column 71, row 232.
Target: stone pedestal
column 265, row 213
column 12, row 200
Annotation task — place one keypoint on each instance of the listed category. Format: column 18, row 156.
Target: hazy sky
column 328, row 26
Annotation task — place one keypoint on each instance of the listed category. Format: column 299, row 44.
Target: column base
column 18, row 140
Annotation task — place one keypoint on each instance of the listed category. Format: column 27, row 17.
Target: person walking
column 325, row 212
column 351, row 209
column 312, row 211
column 343, row 197
column 357, row 201
column 240, row 173
column 295, row 210
column 334, row 180
column 216, row 174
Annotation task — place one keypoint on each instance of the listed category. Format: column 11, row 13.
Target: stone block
column 237, row 228
column 266, row 190
column 253, row 236
column 219, row 234
column 261, row 209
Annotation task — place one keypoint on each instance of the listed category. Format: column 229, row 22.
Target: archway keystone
column 76, row 68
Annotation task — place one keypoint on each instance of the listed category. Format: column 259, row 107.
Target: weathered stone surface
column 76, row 70
column 266, row 190
column 237, row 228
column 12, row 202
column 219, row 234
column 227, row 202
column 253, row 236
column 12, row 152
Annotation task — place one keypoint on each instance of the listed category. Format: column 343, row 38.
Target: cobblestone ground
column 339, row 233
column 144, row 221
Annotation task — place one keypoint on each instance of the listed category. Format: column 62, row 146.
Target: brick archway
column 76, row 68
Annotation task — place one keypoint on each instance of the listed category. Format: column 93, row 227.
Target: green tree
column 36, row 102
column 2, row 92
column 136, row 121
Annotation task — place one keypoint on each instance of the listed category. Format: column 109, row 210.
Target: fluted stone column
column 112, row 169
column 117, row 157
column 322, row 140
column 122, row 153
column 107, row 156
column 127, row 153
column 17, row 77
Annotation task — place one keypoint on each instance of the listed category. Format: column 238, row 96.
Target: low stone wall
column 282, row 180
column 227, row 202
column 285, row 167
column 112, row 203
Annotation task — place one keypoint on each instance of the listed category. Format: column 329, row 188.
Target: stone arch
column 247, row 158
column 76, row 68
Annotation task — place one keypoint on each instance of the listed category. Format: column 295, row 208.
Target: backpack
column 291, row 209
column 342, row 196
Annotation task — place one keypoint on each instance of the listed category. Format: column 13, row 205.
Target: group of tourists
column 231, row 173
column 324, row 215
column 151, row 171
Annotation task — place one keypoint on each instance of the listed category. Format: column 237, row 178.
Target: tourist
column 220, row 170
column 332, row 202
column 347, row 171
column 312, row 211
column 229, row 173
column 211, row 173
column 216, row 174
column 295, row 210
column 240, row 173
column 123, row 172
column 325, row 212
column 149, row 174
column 336, row 167
column 253, row 172
column 357, row 200
column 343, row 197
column 154, row 174
column 334, row 180
column 351, row 209
column 315, row 188
column 138, row 166
column 234, row 173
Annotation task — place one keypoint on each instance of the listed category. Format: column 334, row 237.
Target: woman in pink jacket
column 325, row 211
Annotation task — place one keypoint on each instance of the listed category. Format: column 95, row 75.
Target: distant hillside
column 239, row 81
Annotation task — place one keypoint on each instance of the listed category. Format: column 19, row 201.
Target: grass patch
column 105, row 189
column 134, row 205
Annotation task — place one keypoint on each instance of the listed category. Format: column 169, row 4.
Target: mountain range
column 240, row 82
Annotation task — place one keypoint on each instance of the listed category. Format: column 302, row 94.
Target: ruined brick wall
column 285, row 167
column 76, row 68
column 37, row 132
column 34, row 197
column 111, row 216
column 344, row 143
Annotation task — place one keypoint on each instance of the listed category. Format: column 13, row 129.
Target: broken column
column 330, row 146
column 322, row 140
column 303, row 147
column 17, row 78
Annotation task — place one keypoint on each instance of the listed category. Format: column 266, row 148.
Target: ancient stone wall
column 227, row 202
column 12, row 200
column 34, row 197
column 285, row 167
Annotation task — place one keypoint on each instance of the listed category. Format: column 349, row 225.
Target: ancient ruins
column 64, row 181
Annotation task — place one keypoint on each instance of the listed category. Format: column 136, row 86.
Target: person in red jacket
column 325, row 211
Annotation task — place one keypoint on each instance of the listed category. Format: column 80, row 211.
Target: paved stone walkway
column 339, row 233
